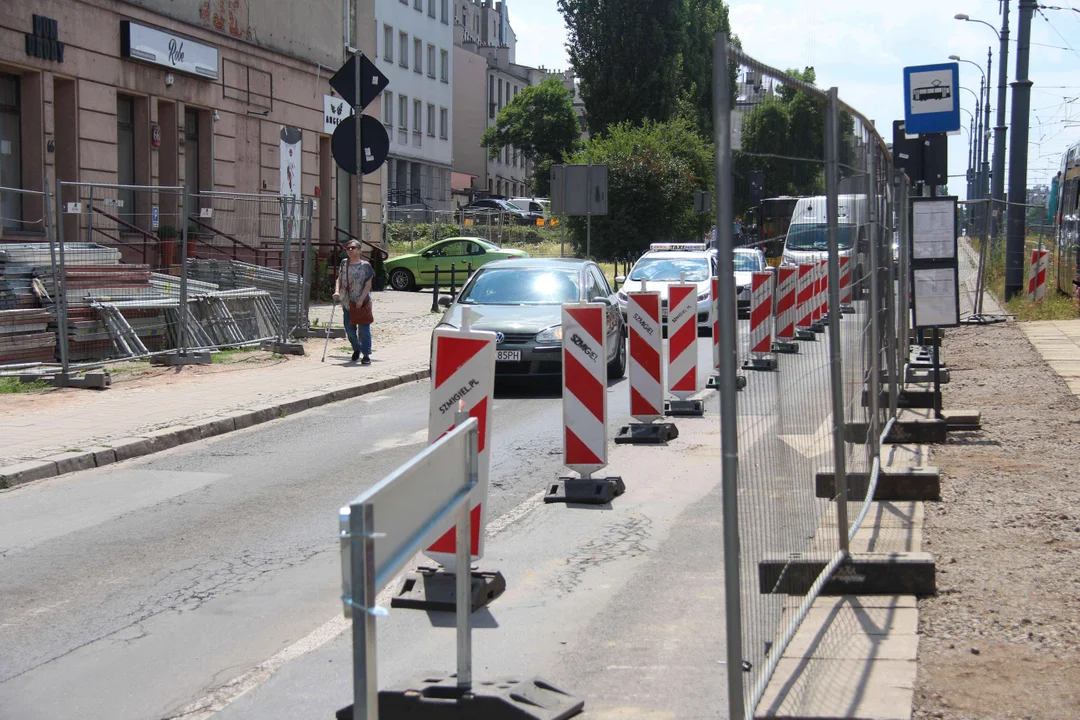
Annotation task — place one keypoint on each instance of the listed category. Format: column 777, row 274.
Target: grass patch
column 1054, row 307
column 14, row 386
column 232, row 354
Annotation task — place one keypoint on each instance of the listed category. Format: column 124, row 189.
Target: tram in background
column 1067, row 220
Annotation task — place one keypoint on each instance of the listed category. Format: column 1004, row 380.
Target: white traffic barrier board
column 821, row 290
column 714, row 304
column 1040, row 263
column 463, row 371
column 805, row 296
column 761, row 303
column 682, row 340
column 845, row 280
column 584, row 359
column 646, row 350
column 786, row 288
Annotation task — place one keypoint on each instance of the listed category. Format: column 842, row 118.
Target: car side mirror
column 620, row 279
column 445, row 301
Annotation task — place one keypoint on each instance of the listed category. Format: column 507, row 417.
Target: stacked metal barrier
column 817, row 412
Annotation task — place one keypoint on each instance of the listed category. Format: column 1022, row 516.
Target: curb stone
column 176, row 435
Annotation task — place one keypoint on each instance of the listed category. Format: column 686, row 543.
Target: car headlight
column 622, row 297
column 703, row 296
column 552, row 334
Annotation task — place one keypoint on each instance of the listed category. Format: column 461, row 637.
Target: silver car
column 521, row 301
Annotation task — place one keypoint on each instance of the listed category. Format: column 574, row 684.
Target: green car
column 415, row 270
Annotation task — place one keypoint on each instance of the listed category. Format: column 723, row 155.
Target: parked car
column 521, row 301
column 662, row 267
column 747, row 260
column 808, row 235
column 494, row 206
column 540, row 206
column 415, row 270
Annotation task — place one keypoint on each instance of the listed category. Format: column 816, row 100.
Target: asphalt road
column 207, row 577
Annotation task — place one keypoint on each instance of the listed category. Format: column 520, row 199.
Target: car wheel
column 401, row 279
column 617, row 367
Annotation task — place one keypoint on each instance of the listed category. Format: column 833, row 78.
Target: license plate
column 508, row 355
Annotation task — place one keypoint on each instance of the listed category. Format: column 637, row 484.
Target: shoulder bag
column 357, row 314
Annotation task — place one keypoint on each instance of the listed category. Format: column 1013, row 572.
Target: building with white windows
column 486, row 78
column 415, row 50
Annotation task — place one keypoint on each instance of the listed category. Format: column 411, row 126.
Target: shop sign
column 44, row 42
column 176, row 52
column 335, row 110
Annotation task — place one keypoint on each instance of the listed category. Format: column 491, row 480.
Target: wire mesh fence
column 133, row 272
column 812, row 188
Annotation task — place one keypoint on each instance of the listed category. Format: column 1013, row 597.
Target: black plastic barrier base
column 646, row 433
column 436, row 695
column 590, row 491
column 818, row 327
column 431, row 588
column 684, row 408
column 766, row 363
column 713, row 383
column 191, row 358
column 806, row 334
column 282, row 348
column 786, row 347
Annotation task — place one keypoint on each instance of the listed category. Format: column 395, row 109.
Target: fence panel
column 27, row 321
column 811, row 420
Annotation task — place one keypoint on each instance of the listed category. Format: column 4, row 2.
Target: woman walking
column 354, row 291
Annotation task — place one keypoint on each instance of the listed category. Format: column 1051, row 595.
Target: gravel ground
column 1002, row 637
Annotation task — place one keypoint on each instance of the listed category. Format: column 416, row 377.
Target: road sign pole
column 588, row 235
column 359, row 136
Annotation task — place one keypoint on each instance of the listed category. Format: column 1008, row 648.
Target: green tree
column 653, row 171
column 540, row 122
column 704, row 19
column 627, row 57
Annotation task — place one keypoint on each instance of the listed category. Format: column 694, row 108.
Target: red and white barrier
column 761, row 303
column 682, row 340
column 714, row 303
column 845, row 281
column 584, row 357
column 646, row 349
column 463, row 371
column 804, row 311
column 786, row 289
column 821, row 294
column 1040, row 263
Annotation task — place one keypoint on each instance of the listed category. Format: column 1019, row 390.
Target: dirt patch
column 1002, row 637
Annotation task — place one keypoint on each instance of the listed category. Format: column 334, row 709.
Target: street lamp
column 998, row 190
column 982, row 149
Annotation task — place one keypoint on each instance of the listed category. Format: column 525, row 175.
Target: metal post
column 1021, row 106
column 905, row 273
column 875, row 307
column 359, row 139
column 309, row 260
column 891, row 359
column 729, row 416
column 60, row 281
column 562, row 243
column 182, row 330
column 998, row 191
column 90, row 216
column 980, row 277
column 362, row 570
column 288, row 213
column 984, row 169
column 836, row 374
column 435, row 292
column 463, row 573
column 588, row 236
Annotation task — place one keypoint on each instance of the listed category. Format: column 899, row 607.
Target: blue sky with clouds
column 861, row 48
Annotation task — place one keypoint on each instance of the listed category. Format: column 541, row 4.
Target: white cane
column 330, row 325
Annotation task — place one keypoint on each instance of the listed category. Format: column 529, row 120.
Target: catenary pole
column 1021, row 107
column 998, row 190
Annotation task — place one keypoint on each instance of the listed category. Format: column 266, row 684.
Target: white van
column 808, row 240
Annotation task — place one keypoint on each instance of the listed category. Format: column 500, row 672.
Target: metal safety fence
column 822, row 341
column 124, row 272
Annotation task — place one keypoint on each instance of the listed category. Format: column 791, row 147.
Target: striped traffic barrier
column 713, row 383
column 462, row 381
column 845, row 285
column 786, row 290
column 1040, row 263
column 821, row 294
column 584, row 357
column 804, row 302
column 683, row 350
column 761, row 306
column 646, row 372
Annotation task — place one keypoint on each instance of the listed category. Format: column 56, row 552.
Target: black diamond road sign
column 372, row 82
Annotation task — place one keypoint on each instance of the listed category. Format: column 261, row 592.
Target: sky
column 862, row 47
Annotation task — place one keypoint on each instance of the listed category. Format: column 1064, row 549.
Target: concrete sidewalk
column 1058, row 342
column 60, row 431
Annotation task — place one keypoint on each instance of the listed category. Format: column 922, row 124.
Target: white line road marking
column 220, row 698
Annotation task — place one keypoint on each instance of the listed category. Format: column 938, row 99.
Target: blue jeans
column 361, row 344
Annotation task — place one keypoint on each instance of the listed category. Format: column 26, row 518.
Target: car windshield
column 815, row 236
column 521, row 286
column 745, row 262
column 509, row 205
column 661, row 269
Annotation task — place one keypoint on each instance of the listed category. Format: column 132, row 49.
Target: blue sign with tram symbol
column 932, row 98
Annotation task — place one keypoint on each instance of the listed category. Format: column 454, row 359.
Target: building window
column 500, row 84
column 431, row 8
column 419, row 5
column 403, row 49
column 388, row 108
column 418, row 109
column 191, row 158
column 431, row 61
column 125, row 156
column 10, row 152
column 431, row 120
column 491, row 96
column 444, row 65
column 418, row 55
column 444, row 13
column 444, row 117
column 388, row 43
column 403, row 112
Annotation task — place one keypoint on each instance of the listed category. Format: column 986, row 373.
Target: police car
column 662, row 266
